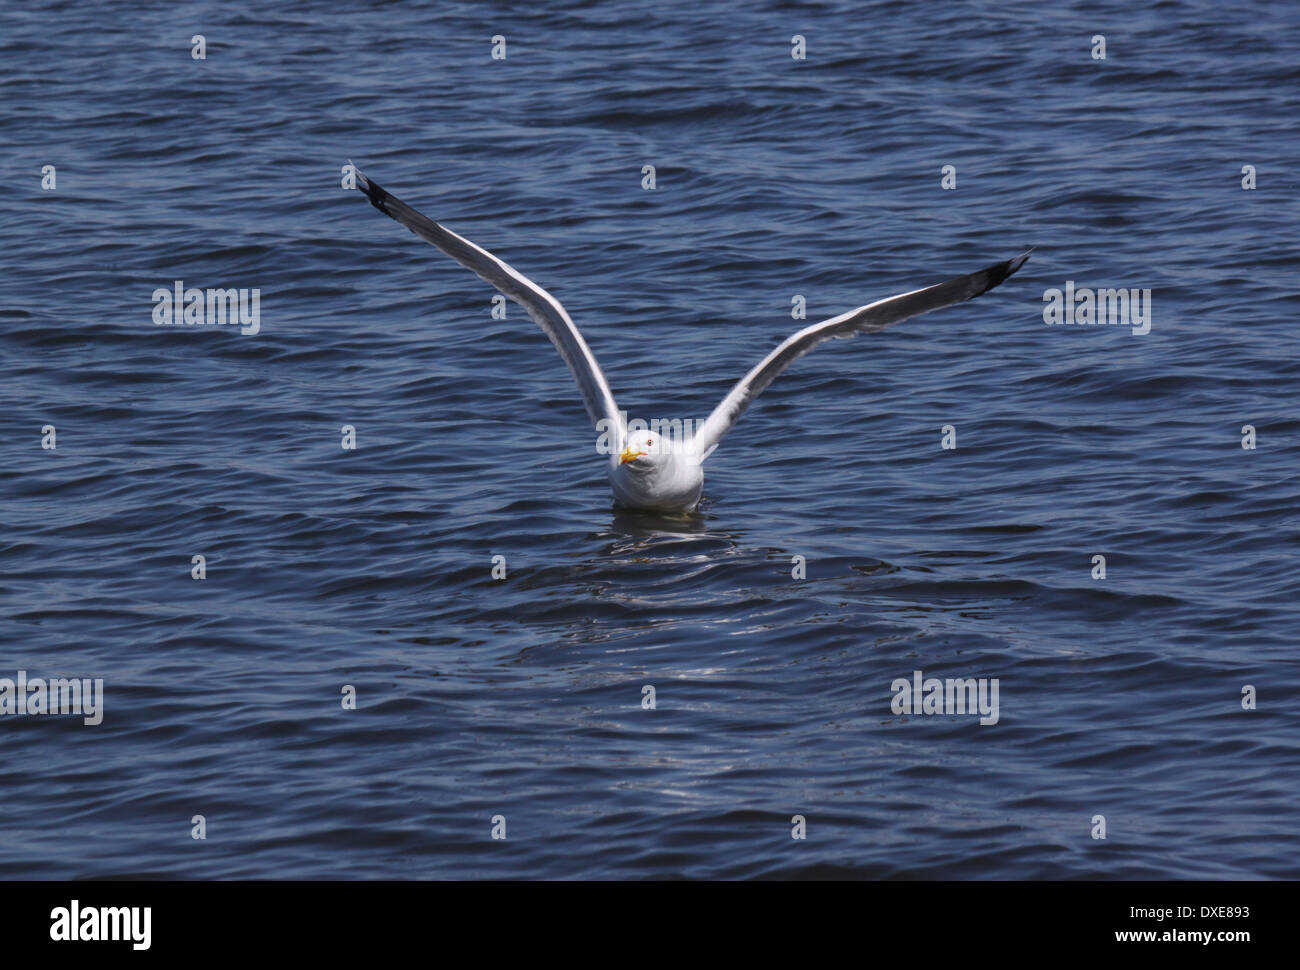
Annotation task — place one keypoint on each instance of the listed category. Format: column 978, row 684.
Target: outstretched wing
column 541, row 306
column 867, row 319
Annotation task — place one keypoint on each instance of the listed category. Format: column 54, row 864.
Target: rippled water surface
column 522, row 697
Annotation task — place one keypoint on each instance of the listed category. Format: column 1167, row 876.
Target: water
column 522, row 698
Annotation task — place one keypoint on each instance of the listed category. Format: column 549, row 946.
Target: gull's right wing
column 541, row 306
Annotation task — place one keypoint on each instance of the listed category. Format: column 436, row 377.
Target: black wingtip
column 999, row 273
column 1016, row 262
column 373, row 191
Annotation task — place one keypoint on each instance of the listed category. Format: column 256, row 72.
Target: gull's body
column 671, row 484
column 647, row 470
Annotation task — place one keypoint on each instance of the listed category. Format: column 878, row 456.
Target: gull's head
column 643, row 451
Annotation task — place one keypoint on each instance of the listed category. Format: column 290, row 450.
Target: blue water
column 522, row 697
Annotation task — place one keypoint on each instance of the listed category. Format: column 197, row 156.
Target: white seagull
column 648, row 470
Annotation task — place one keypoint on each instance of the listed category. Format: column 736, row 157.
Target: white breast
column 672, row 486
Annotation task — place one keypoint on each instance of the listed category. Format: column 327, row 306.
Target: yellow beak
column 628, row 454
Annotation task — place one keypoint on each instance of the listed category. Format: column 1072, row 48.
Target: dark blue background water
column 522, row 698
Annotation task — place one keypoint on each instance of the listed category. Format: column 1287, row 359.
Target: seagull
column 648, row 470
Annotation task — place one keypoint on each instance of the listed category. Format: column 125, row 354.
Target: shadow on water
column 668, row 536
column 637, row 524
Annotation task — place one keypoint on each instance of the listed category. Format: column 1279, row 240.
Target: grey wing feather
column 867, row 319
column 541, row 306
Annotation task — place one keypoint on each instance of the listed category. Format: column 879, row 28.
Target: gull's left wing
column 867, row 319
